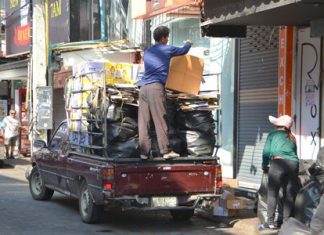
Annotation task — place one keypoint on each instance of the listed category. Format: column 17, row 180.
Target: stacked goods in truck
column 91, row 93
column 119, row 73
column 115, row 73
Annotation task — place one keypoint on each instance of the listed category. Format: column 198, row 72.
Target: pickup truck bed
column 178, row 185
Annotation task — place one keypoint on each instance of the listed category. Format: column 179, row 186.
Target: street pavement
column 14, row 217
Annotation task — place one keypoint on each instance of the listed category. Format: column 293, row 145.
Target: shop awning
column 17, row 70
column 146, row 9
column 262, row 12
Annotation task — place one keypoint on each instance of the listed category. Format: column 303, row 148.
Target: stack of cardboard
column 229, row 205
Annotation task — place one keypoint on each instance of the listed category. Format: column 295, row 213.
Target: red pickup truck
column 179, row 185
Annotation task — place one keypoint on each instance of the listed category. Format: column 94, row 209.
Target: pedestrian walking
column 152, row 99
column 10, row 127
column 281, row 162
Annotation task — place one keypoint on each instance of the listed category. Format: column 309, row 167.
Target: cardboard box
column 219, row 209
column 185, row 74
column 240, row 203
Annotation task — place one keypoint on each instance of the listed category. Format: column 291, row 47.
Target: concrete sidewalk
column 19, row 162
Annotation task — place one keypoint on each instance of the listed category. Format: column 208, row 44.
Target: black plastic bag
column 121, row 130
column 306, row 202
column 125, row 149
column 317, row 222
column 294, row 227
column 320, row 158
column 200, row 121
column 304, row 176
column 197, row 143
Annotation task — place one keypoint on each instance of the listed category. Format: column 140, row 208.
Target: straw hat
column 284, row 120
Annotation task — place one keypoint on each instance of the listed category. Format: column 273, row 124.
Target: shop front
column 13, row 93
column 278, row 72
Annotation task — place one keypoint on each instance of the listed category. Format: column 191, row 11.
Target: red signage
column 285, row 70
column 22, row 35
column 17, row 27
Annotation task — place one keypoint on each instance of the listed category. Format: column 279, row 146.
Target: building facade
column 279, row 60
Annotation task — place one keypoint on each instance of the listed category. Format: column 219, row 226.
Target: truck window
column 60, row 137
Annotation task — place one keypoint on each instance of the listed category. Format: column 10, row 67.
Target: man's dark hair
column 160, row 32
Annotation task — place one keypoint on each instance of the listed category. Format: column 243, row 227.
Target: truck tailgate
column 164, row 179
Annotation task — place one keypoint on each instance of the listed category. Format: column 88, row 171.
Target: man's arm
column 175, row 51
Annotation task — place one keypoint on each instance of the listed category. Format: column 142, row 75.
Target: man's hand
column 188, row 41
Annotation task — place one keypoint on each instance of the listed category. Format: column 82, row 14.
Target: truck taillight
column 107, row 173
column 107, row 178
column 107, row 185
column 218, row 178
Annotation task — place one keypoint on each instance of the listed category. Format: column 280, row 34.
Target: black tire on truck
column 90, row 212
column 37, row 187
column 182, row 215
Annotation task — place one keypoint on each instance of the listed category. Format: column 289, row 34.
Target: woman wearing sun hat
column 281, row 162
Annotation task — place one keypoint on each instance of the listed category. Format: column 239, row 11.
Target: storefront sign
column 17, row 27
column 285, row 70
column 58, row 21
column 309, row 51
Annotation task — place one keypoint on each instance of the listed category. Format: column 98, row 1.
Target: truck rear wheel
column 90, row 212
column 182, row 215
column 37, row 187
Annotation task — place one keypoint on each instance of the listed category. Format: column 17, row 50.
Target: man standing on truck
column 152, row 99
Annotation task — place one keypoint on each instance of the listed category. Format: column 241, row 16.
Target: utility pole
column 39, row 63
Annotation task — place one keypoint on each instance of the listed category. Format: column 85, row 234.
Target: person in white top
column 11, row 127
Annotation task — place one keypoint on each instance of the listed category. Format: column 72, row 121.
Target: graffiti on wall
column 309, row 51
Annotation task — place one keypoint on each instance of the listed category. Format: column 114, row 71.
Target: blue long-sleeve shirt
column 156, row 62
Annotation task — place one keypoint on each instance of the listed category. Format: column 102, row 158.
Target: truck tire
column 182, row 215
column 90, row 212
column 37, row 188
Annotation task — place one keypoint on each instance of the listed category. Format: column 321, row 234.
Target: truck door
column 57, row 154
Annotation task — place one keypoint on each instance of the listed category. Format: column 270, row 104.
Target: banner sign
column 58, row 21
column 17, row 27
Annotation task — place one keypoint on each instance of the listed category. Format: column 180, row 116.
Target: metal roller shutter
column 58, row 107
column 257, row 98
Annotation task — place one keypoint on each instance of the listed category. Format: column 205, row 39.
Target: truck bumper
column 163, row 202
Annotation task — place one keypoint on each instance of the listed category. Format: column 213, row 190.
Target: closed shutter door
column 58, row 107
column 257, row 98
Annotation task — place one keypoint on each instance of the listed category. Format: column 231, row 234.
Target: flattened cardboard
column 185, row 74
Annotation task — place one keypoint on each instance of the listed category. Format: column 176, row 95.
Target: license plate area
column 164, row 201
